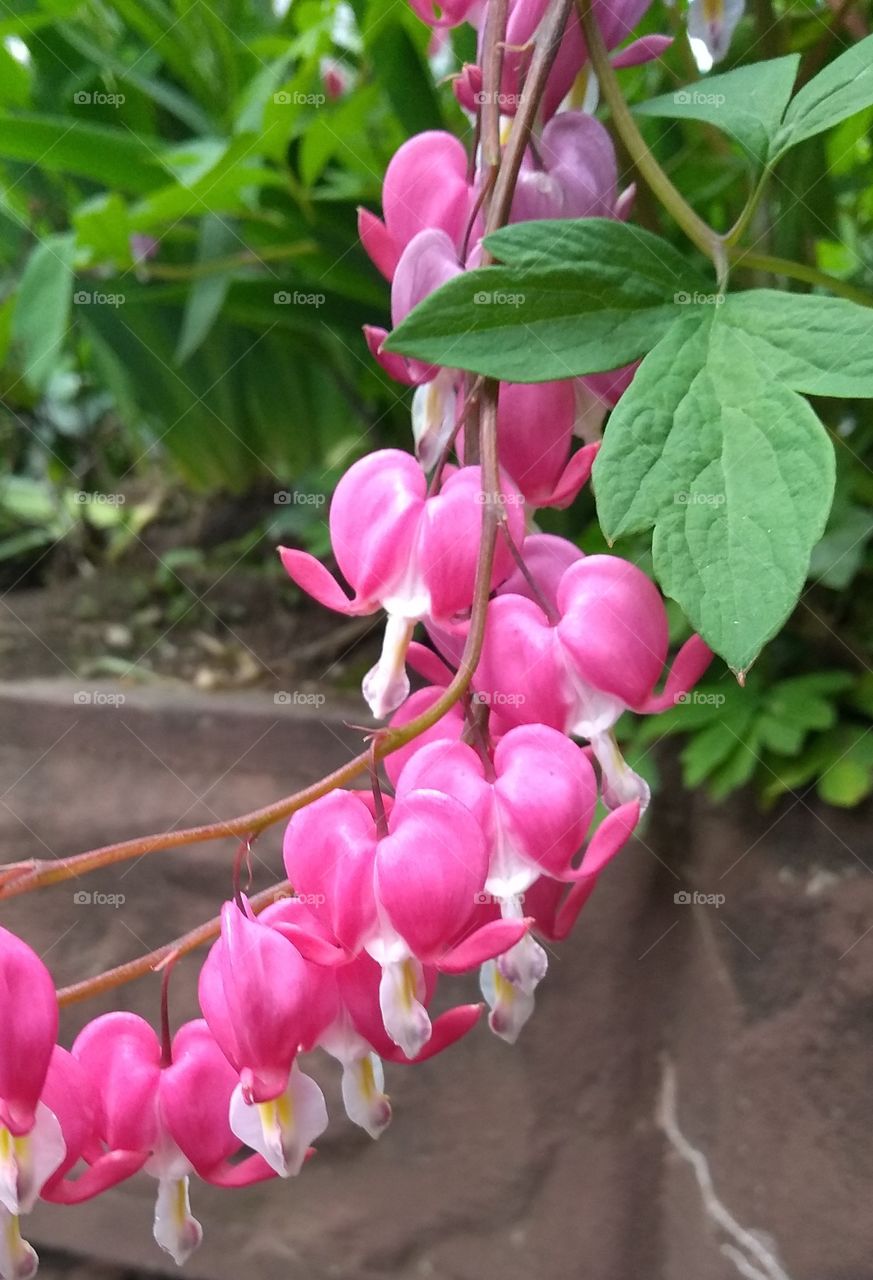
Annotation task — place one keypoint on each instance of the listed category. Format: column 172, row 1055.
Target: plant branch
column 548, row 41
column 154, row 960
column 800, row 271
column 700, row 234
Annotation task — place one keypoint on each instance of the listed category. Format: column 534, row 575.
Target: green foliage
column 179, row 223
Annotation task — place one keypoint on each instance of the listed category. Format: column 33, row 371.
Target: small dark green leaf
column 577, row 297
column 747, row 103
column 842, row 88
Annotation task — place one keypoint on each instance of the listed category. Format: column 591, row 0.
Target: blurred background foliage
column 182, row 294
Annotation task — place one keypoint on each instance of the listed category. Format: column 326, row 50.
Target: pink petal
column 574, row 476
column 646, row 49
column 378, row 243
column 688, row 666
column 329, row 852
column 429, row 871
column 614, row 627
column 311, row 576
column 29, row 1009
column 484, row 943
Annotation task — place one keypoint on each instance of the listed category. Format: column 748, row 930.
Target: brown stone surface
column 544, row 1160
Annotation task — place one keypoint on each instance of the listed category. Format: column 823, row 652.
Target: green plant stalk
column 709, row 242
column 799, row 271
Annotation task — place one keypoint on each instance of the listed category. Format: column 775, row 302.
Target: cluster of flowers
column 485, row 843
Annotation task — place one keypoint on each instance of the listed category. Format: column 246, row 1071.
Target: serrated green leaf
column 42, row 308
column 820, row 346
column 578, row 296
column 843, row 87
column 747, row 103
column 735, row 473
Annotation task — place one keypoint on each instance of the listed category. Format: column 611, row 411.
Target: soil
column 185, row 603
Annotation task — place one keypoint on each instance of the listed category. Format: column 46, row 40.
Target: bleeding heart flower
column 574, row 174
column 168, row 1109
column 254, row 991
column 411, row 554
column 428, row 862
column 600, row 654
column 426, row 188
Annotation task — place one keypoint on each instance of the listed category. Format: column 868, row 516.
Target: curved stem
column 699, row 232
column 548, row 41
column 155, row 960
column 800, row 271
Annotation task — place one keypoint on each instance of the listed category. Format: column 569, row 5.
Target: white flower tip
column 175, row 1230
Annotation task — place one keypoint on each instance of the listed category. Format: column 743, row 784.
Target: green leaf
column 844, row 87
column 820, row 346
column 208, row 293
column 42, row 309
column 747, row 103
column 114, row 157
column 576, row 297
column 735, row 473
column 847, row 781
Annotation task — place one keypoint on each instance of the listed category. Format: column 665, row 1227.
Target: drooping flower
column 401, row 550
column 577, row 661
column 255, row 991
column 405, row 890
column 170, row 1109
column 534, row 797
